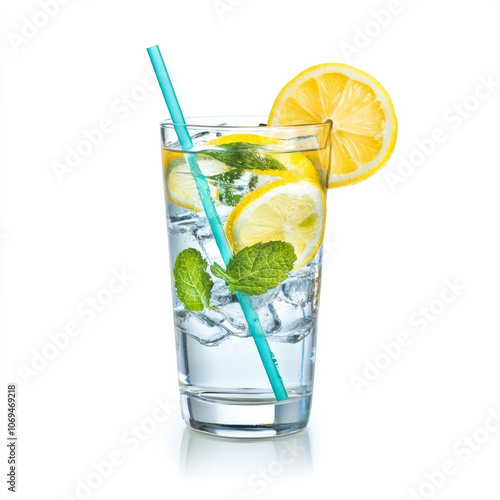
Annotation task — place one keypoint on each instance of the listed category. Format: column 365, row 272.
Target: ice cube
column 182, row 222
column 302, row 287
column 220, row 293
column 295, row 331
column 298, row 291
column 204, row 238
column 262, row 300
column 233, row 318
column 206, row 326
column 202, row 137
column 269, row 319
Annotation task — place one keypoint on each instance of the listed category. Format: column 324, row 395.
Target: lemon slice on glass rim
column 364, row 124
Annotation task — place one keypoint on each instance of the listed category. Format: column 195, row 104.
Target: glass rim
column 195, row 122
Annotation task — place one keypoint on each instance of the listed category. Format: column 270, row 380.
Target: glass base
column 244, row 415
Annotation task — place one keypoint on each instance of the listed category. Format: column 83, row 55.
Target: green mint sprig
column 193, row 283
column 240, row 157
column 252, row 271
column 228, row 194
column 244, row 156
column 257, row 268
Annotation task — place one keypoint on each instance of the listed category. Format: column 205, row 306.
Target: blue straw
column 180, row 127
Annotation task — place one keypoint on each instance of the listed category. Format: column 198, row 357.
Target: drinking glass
column 224, row 387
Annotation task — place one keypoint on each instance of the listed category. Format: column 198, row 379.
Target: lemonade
column 246, row 215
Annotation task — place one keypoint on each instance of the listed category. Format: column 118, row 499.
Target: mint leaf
column 230, row 191
column 240, row 157
column 252, row 183
column 219, row 272
column 192, row 282
column 228, row 194
column 257, row 268
column 244, row 156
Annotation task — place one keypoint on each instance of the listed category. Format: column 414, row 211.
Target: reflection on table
column 203, row 455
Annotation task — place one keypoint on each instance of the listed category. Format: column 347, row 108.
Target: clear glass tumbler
column 266, row 184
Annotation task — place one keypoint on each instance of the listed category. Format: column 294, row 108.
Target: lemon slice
column 180, row 185
column 288, row 209
column 296, row 164
column 364, row 123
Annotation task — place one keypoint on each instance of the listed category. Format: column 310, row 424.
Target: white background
column 389, row 249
